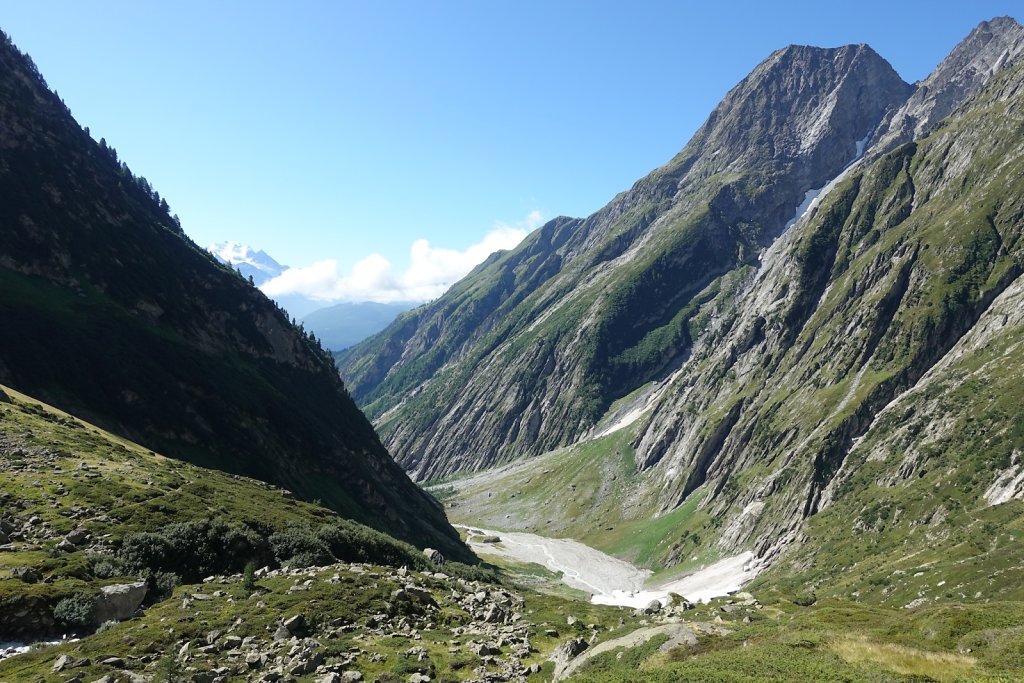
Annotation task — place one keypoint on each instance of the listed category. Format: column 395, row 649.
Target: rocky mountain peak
column 784, row 131
column 802, row 102
column 791, row 125
column 990, row 47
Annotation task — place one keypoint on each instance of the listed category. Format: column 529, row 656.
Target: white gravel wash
column 582, row 567
column 726, row 576
column 611, row 581
column 12, row 648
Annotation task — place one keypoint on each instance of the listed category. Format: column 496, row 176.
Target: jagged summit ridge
column 990, row 47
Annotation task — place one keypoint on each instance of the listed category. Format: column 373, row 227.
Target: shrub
column 162, row 584
column 76, row 611
column 168, row 671
column 805, row 599
column 197, row 549
column 192, row 550
column 146, row 551
column 249, row 578
column 351, row 542
column 300, row 547
column 106, row 566
column 106, row 626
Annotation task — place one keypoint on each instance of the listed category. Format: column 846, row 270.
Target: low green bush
column 299, row 547
column 76, row 611
column 193, row 550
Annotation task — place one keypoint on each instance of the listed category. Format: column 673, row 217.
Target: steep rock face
column 990, row 47
column 934, row 482
column 527, row 352
column 869, row 298
column 109, row 312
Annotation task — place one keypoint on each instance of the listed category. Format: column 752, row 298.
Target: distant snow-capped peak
column 258, row 264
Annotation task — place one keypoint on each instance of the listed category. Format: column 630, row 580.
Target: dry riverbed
column 610, row 581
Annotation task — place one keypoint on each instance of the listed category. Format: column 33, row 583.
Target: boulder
column 26, row 574
column 494, row 615
column 296, row 625
column 256, row 660
column 434, row 556
column 231, row 643
column 66, row 546
column 305, row 663
column 118, row 602
column 64, row 662
column 565, row 653
column 77, row 537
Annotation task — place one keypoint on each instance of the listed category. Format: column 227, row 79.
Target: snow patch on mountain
column 258, row 264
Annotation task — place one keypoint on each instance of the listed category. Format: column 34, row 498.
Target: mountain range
column 794, row 350
column 337, row 326
column 251, row 263
column 345, row 324
column 804, row 320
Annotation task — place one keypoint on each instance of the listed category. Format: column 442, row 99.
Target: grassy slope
column 931, row 536
column 66, row 474
column 69, row 474
column 353, row 600
column 835, row 641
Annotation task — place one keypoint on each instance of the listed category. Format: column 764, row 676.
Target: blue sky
column 335, row 130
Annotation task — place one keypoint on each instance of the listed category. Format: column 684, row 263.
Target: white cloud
column 431, row 270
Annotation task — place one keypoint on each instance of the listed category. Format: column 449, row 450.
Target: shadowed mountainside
column 108, row 311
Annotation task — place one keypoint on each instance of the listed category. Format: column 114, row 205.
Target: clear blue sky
column 337, row 129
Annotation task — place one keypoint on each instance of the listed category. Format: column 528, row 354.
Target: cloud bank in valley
column 431, row 270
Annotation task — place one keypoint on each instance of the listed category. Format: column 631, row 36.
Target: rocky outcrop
column 799, row 357
column 495, row 647
column 434, row 556
column 565, row 653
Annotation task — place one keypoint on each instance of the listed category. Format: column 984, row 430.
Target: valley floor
column 609, row 580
